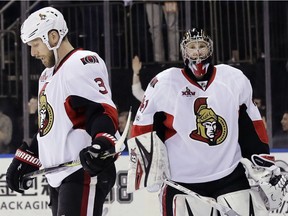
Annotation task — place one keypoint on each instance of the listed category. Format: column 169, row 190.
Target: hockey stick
column 119, row 147
column 52, row 169
column 224, row 209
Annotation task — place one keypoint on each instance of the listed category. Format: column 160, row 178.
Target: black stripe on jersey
column 248, row 139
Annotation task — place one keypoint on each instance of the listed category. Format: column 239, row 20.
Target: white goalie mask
column 197, row 49
column 40, row 23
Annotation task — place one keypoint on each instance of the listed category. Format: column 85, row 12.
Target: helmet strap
column 56, row 57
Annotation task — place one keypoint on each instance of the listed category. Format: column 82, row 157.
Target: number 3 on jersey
column 101, row 85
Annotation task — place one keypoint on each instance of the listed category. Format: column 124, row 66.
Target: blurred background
column 249, row 35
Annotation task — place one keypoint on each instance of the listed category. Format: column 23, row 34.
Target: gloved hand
column 24, row 161
column 265, row 177
column 91, row 157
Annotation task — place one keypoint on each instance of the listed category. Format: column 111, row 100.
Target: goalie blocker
column 148, row 163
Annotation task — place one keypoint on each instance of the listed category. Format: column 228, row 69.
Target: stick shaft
column 52, row 169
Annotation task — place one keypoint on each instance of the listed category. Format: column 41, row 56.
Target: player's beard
column 50, row 60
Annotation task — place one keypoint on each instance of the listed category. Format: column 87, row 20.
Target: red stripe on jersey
column 138, row 130
column 77, row 117
column 261, row 131
column 169, row 132
column 85, row 194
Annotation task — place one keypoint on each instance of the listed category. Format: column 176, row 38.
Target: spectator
column 155, row 15
column 280, row 139
column 6, row 130
column 137, row 90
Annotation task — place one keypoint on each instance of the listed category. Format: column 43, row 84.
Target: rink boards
column 141, row 203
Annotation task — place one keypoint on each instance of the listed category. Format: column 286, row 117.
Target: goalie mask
column 40, row 23
column 197, row 49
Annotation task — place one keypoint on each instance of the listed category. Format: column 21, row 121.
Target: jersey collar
column 64, row 59
column 208, row 78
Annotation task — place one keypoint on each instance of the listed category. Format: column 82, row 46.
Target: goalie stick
column 224, row 209
column 119, row 147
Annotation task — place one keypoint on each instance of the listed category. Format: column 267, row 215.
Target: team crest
column 46, row 115
column 211, row 128
column 90, row 59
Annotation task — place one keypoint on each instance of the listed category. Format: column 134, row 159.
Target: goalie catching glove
column 96, row 158
column 266, row 178
column 24, row 161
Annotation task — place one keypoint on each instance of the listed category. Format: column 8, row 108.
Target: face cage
column 186, row 50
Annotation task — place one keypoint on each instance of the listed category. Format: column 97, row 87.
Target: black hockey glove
column 93, row 157
column 24, row 161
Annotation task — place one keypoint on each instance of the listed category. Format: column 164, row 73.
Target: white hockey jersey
column 201, row 125
column 61, row 136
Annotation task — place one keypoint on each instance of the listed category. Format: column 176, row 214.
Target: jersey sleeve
column 253, row 137
column 88, row 101
column 144, row 119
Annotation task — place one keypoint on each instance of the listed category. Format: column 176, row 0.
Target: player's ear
column 53, row 38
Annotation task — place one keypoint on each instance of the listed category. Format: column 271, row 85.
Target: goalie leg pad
column 244, row 202
column 148, row 163
column 185, row 205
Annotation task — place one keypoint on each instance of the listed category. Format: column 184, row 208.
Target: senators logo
column 211, row 128
column 91, row 59
column 46, row 115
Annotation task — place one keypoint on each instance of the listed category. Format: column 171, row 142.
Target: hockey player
column 205, row 116
column 77, row 118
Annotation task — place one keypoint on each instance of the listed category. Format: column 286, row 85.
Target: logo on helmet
column 42, row 16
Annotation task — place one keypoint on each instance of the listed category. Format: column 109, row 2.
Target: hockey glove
column 266, row 178
column 24, row 161
column 93, row 157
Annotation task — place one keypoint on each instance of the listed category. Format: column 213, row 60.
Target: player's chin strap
column 119, row 147
column 266, row 178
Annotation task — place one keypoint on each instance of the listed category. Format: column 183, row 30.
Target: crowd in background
column 163, row 29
